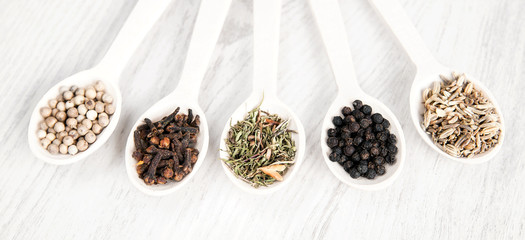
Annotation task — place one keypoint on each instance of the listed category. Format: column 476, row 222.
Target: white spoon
column 428, row 70
column 138, row 24
column 267, row 15
column 208, row 26
column 331, row 26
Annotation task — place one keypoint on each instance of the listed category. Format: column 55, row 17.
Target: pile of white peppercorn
column 72, row 121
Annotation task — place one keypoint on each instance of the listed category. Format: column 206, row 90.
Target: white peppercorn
column 72, row 150
column 90, row 104
column 80, row 118
column 67, row 140
column 60, row 98
column 54, row 112
column 110, row 109
column 45, row 112
column 90, row 137
column 80, row 92
column 68, row 128
column 50, row 121
column 69, row 104
column 82, row 130
column 103, row 121
column 51, row 130
column 61, row 106
column 99, row 107
column 73, row 88
column 59, row 127
column 82, row 110
column 43, row 125
column 61, row 116
column 45, row 142
column 74, row 134
column 91, row 115
column 72, row 122
column 99, row 95
column 77, row 100
column 91, row 93
column 68, row 95
column 82, row 145
column 97, row 129
column 56, row 142
column 62, row 148
column 41, row 134
column 72, row 112
column 51, row 136
column 52, row 103
column 88, row 123
column 53, row 148
column 61, row 135
column 107, row 98
column 99, row 86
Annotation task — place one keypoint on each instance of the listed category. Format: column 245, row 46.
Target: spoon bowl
column 273, row 106
column 81, row 79
column 392, row 171
column 156, row 112
column 424, row 80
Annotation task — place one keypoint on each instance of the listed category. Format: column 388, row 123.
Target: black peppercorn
column 354, row 173
column 346, row 135
column 355, row 157
column 332, row 142
column 380, row 170
column 348, row 165
column 377, row 118
column 361, row 133
column 371, row 174
column 338, row 150
column 384, row 151
column 382, row 136
column 354, row 127
column 357, row 104
column 364, row 123
column 349, row 142
column 358, row 141
column 333, row 157
column 366, row 145
column 386, row 123
column 364, row 154
column 391, row 148
column 378, row 127
column 342, row 159
column 374, row 151
column 392, row 139
column 362, row 168
column 349, row 150
column 369, row 135
column 349, row 119
column 358, row 115
column 379, row 160
column 332, row 132
column 371, row 165
column 346, row 111
column 337, row 121
column 367, row 110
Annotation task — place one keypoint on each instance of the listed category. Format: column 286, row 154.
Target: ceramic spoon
column 206, row 31
column 331, row 26
column 138, row 24
column 428, row 71
column 266, row 51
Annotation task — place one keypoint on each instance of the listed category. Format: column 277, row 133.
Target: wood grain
column 42, row 42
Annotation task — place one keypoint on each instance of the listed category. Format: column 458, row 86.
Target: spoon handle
column 266, row 20
column 138, row 24
column 331, row 25
column 206, row 31
column 398, row 21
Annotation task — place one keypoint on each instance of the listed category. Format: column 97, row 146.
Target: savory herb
column 260, row 148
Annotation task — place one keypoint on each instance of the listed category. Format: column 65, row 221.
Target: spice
column 361, row 142
column 67, row 117
column 459, row 118
column 165, row 150
column 260, row 148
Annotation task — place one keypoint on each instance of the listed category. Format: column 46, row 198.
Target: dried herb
column 165, row 149
column 260, row 148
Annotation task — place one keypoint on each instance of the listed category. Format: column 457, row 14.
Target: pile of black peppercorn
column 361, row 142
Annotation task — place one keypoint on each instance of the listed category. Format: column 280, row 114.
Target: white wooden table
column 42, row 42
